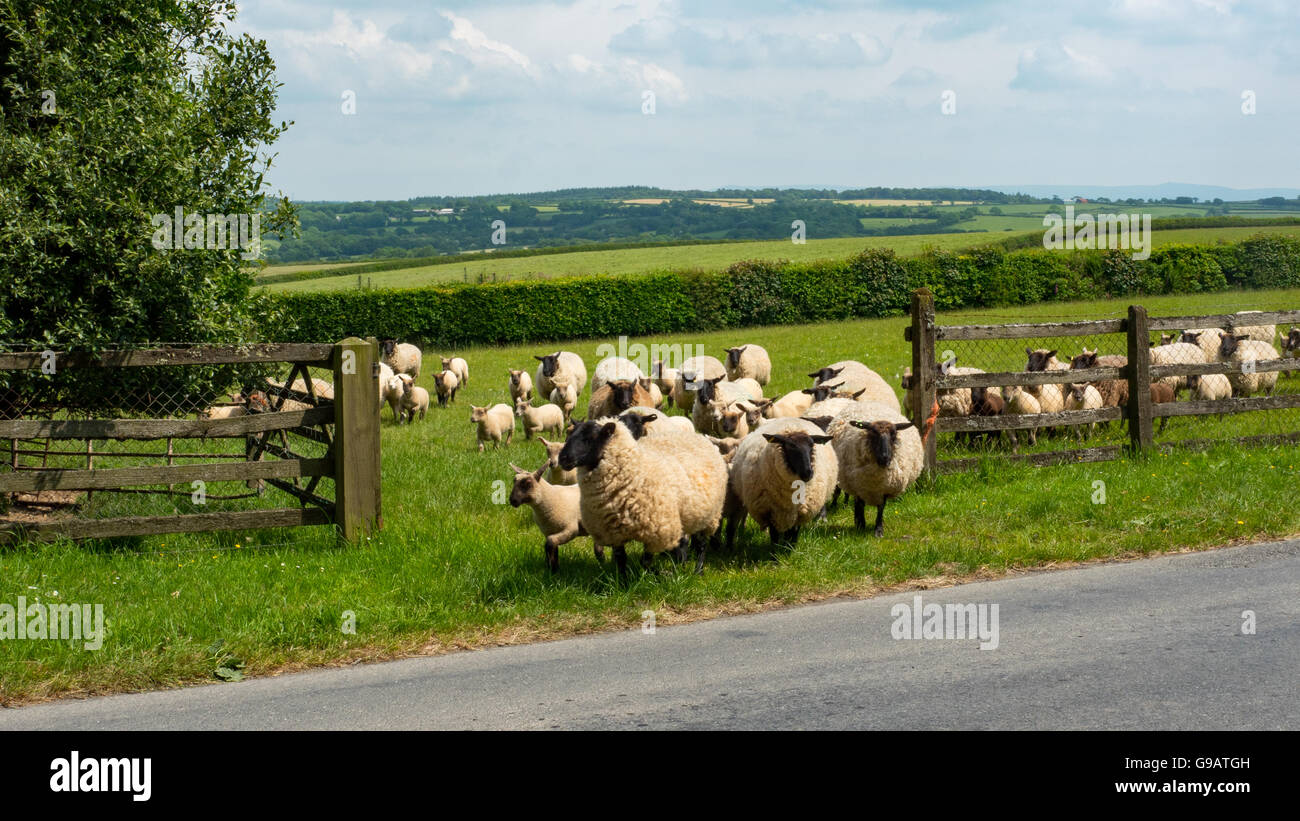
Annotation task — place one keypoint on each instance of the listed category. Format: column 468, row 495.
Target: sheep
column 694, row 370
column 1207, row 339
column 614, row 369
column 558, row 369
column 1291, row 346
column 1044, row 360
column 880, row 455
column 1240, row 349
column 558, row 475
column 705, row 413
column 1207, row 387
column 566, row 396
column 783, row 473
column 1114, row 392
column 612, row 398
column 385, row 380
column 391, row 391
column 445, row 384
column 457, row 366
column 660, row 422
column 663, row 376
column 663, row 491
column 853, row 378
column 1259, row 333
column 321, row 387
column 1083, row 396
column 494, row 423
column 1021, row 402
column 987, row 402
column 1177, row 353
column 1162, row 393
column 521, row 386
column 955, row 401
column 414, row 399
column 735, row 420
column 749, row 361
column 254, row 402
column 402, row 357
column 557, row 511
column 545, row 418
column 794, row 403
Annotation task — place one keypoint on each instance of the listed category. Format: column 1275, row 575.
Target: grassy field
column 642, row 260
column 456, row 568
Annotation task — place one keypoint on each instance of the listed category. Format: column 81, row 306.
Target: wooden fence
column 346, row 424
column 1140, row 413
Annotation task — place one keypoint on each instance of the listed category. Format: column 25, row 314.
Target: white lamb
column 402, row 357
column 1177, row 353
column 1021, row 401
column 445, row 384
column 1245, row 352
column 1209, row 387
column 749, row 361
column 390, row 391
column 494, row 424
column 662, row 491
column 783, row 474
column 521, row 386
column 880, row 456
column 415, row 399
column 558, row 475
column 566, row 397
column 557, row 511
column 457, row 366
column 547, row 418
column 1083, row 396
column 794, row 403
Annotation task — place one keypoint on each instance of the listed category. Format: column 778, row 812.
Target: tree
column 110, row 116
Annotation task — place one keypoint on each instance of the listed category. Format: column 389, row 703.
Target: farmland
column 446, row 575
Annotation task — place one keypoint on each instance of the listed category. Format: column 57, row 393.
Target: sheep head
column 881, row 438
column 1039, row 359
column 586, row 444
column 797, row 451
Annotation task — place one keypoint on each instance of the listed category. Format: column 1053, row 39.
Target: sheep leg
column 835, row 498
column 552, row 554
column 791, row 537
column 860, row 514
column 701, row 545
column 679, row 552
column 880, row 518
column 599, row 550
column 733, row 524
column 647, row 559
column 620, row 560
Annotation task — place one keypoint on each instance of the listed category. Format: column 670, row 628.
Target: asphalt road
column 1156, row 644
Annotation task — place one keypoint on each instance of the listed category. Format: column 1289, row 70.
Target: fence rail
column 344, row 429
column 1140, row 413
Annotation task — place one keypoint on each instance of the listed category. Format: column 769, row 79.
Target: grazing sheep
column 855, row 378
column 566, row 396
column 880, row 454
column 734, row 421
column 494, row 424
column 612, row 398
column 391, row 392
column 614, row 369
column 986, row 402
column 558, row 475
column 1240, row 349
column 1207, row 339
column 659, row 423
column 1291, row 346
column 1021, row 402
column 783, row 474
column 1083, row 396
column 1114, row 392
column 457, row 366
column 521, row 386
column 402, row 357
column 662, row 491
column 414, row 400
column 557, row 511
column 548, row 418
column 446, row 384
column 695, row 370
column 1161, row 393
column 1259, row 333
column 1177, row 353
column 558, row 369
column 749, row 362
column 794, row 403
column 1207, row 387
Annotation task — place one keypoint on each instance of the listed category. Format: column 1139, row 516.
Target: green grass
column 453, row 568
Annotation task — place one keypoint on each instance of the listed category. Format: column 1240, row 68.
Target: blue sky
column 492, row 96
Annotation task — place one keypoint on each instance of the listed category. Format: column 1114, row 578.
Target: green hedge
column 873, row 283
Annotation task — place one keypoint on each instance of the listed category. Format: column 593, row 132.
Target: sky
column 492, row 96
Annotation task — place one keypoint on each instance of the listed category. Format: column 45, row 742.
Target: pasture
column 631, row 261
column 456, row 568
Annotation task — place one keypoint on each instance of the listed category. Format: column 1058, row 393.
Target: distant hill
column 1167, row 190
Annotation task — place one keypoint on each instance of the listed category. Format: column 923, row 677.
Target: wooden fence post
column 923, row 373
column 356, row 438
column 1139, row 380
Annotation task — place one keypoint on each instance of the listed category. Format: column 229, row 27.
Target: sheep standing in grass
column 1260, row 333
column 1083, row 396
column 794, row 403
column 402, row 357
column 1114, row 392
column 415, row 399
column 390, row 391
column 693, row 371
column 662, row 491
column 658, row 422
column 494, row 424
column 986, row 402
column 1291, row 347
column 749, row 361
column 1161, row 394
column 1207, row 339
column 614, row 369
column 547, row 418
column 558, row 475
column 880, row 455
column 557, row 511
column 566, row 396
column 712, row 395
column 457, row 366
column 521, row 386
column 855, row 378
column 1177, row 353
column 735, row 421
column 612, row 398
column 559, row 369
column 1208, row 387
column 1021, row 402
column 1244, row 352
column 445, row 384
column 783, row 474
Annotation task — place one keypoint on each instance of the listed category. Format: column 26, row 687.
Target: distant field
column 904, row 202
column 643, row 260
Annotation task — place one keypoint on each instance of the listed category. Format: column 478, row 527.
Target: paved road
column 1156, row 644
